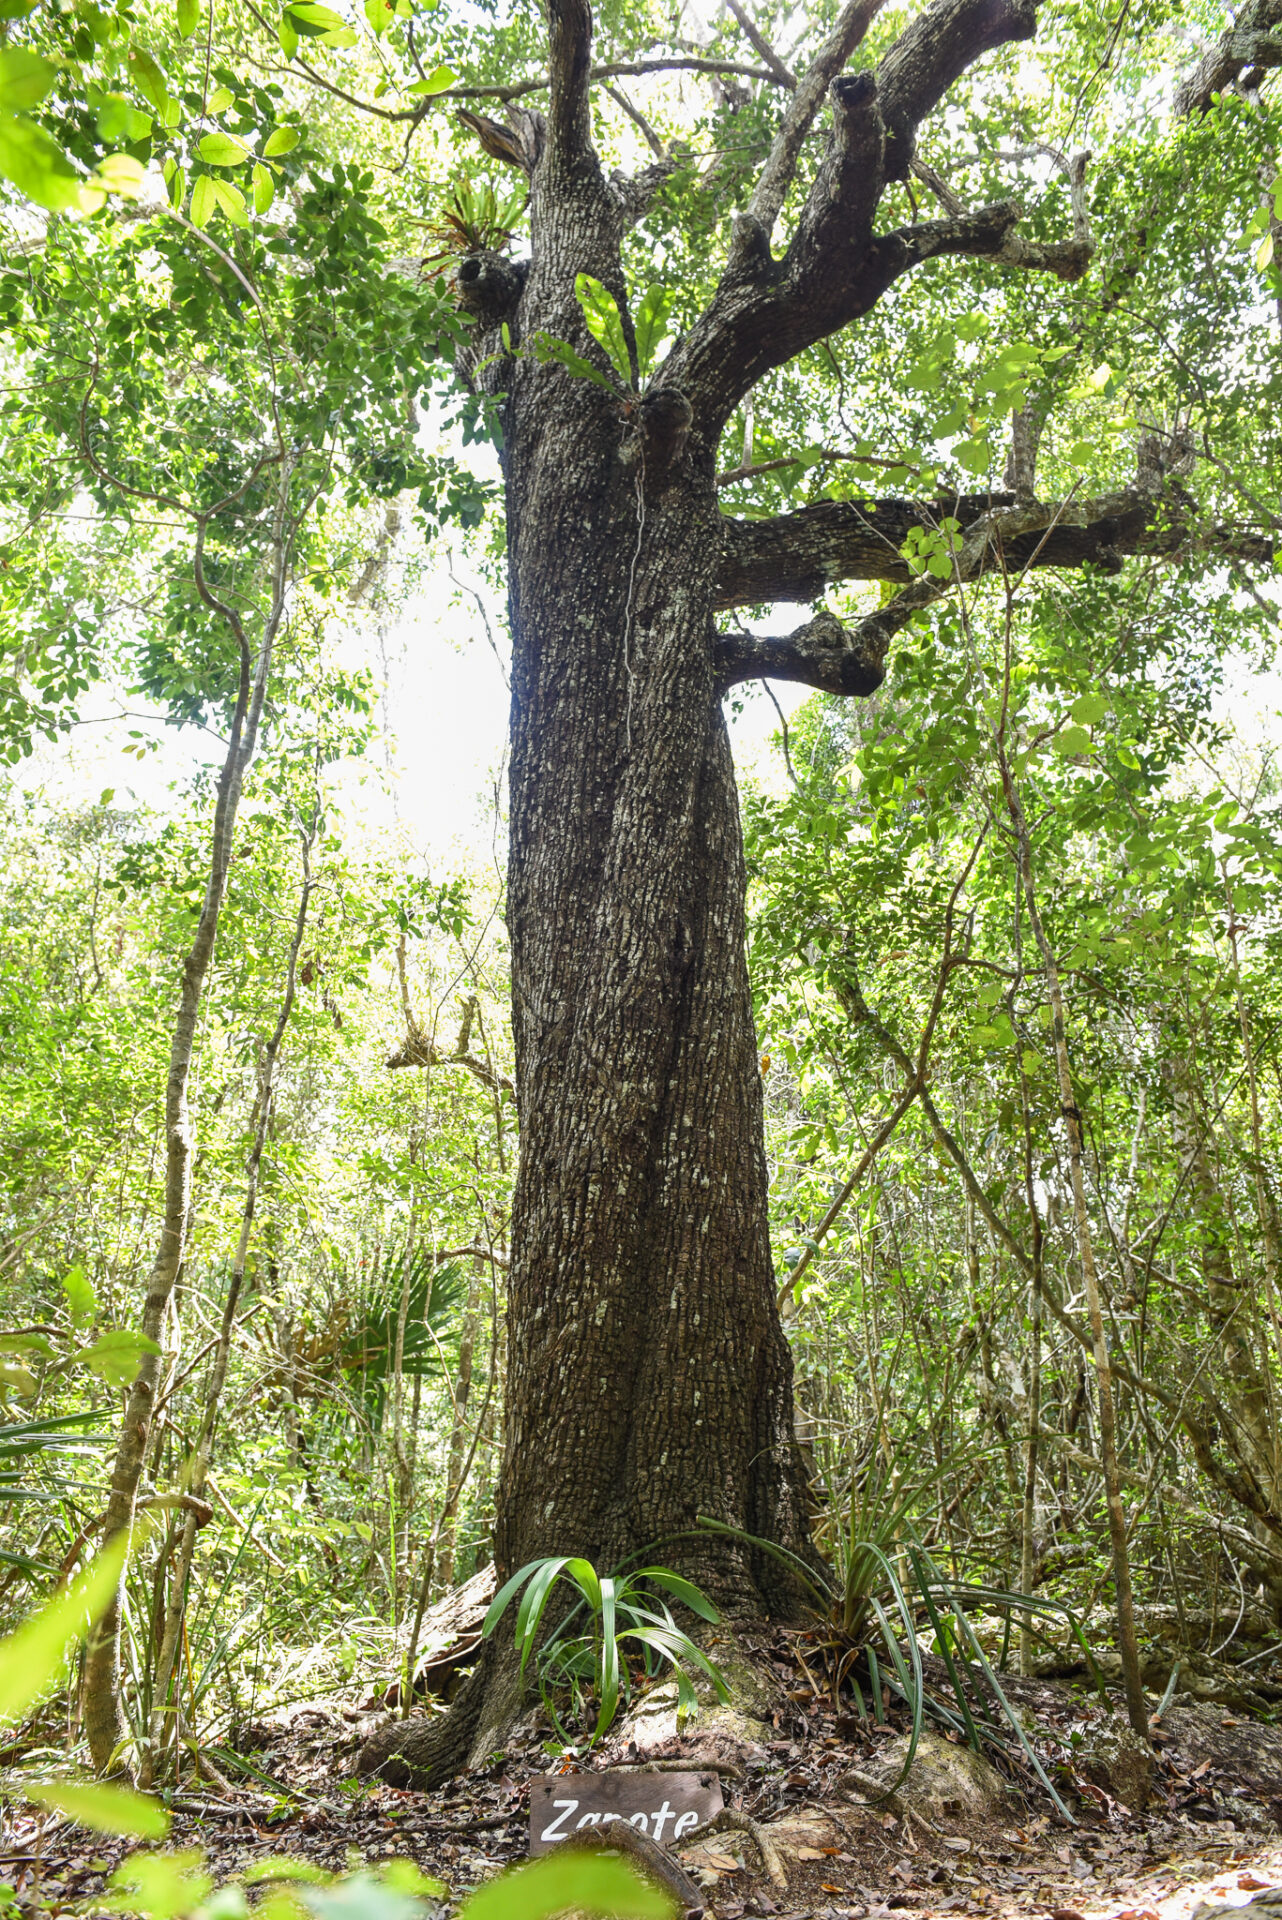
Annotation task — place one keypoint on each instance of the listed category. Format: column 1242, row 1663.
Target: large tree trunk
column 649, row 1377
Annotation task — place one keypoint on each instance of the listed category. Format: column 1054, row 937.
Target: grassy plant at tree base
column 623, row 1615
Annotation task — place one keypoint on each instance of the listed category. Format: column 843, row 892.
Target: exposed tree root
column 731, row 1819
column 424, row 1751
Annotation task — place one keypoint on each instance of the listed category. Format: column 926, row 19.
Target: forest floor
column 1212, row 1829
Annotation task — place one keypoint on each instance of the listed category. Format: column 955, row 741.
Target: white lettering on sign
column 558, row 1828
column 664, row 1806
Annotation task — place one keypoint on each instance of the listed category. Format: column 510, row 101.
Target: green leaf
column 32, row 1658
column 604, row 323
column 1071, row 741
column 1264, row 252
column 148, row 78
column 380, row 14
column 287, row 34
column 264, row 188
column 223, row 150
column 304, row 1871
column 121, row 173
column 82, row 1301
column 232, row 202
column 498, row 1604
column 118, row 121
column 680, row 1589
column 284, row 140
column 1089, row 709
column 38, row 167
column 116, row 1354
column 27, row 1343
column 436, row 82
column 975, row 455
column 188, row 17
column 652, row 325
column 25, row 78
column 593, row 1882
column 548, row 347
column 609, row 1675
column 317, row 22
column 105, row 1809
column 159, row 1885
column 533, row 1601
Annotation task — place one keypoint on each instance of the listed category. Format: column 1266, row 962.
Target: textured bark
column 794, row 556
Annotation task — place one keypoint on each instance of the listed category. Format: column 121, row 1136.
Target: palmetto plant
column 29, row 1453
column 624, row 1614
column 357, row 1341
column 885, row 1591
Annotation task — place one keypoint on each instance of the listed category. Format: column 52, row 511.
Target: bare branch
column 639, row 121
column 951, row 202
column 761, row 45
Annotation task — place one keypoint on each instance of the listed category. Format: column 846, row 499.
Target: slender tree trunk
column 199, row 1471
column 1137, row 1711
column 104, row 1724
column 444, row 1572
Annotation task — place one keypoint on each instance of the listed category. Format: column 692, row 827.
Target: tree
column 649, row 1381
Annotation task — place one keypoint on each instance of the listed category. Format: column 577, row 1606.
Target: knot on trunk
column 490, row 286
column 822, row 654
column 657, row 440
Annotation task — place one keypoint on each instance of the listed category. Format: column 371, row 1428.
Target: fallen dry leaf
column 809, row 1853
column 1248, row 1883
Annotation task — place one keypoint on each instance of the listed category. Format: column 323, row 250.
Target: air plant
column 473, row 218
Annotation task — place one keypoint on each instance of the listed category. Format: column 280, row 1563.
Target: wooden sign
column 666, row 1806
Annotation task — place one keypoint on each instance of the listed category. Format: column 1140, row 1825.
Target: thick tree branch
column 989, row 232
column 766, row 311
column 797, row 555
column 781, row 162
column 1253, row 42
column 933, row 51
column 421, row 1051
column 569, row 74
column 821, row 654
